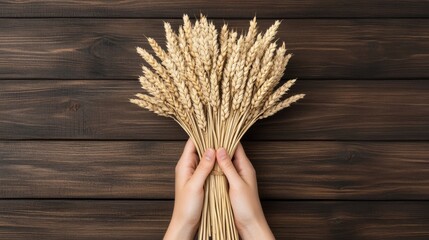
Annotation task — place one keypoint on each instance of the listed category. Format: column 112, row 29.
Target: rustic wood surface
column 99, row 109
column 86, row 219
column 78, row 161
column 215, row 9
column 78, row 48
column 145, row 169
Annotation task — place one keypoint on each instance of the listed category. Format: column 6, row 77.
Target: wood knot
column 73, row 106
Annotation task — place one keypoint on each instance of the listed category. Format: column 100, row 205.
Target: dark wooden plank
column 145, row 169
column 218, row 9
column 332, row 110
column 105, row 48
column 105, row 220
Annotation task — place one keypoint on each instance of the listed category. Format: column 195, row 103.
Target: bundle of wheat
column 216, row 86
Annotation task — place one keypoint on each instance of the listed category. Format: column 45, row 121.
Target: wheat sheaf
column 215, row 85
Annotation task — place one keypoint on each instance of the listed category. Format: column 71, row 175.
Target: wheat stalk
column 215, row 85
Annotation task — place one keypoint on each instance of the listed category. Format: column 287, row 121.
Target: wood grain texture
column 106, row 220
column 217, row 9
column 145, row 169
column 64, row 48
column 99, row 109
column 78, row 161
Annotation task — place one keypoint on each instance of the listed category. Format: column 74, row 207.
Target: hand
column 243, row 192
column 191, row 175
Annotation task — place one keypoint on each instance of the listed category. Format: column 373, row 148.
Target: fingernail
column 210, row 154
column 221, row 153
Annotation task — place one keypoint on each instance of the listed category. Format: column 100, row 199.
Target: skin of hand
column 243, row 192
column 189, row 192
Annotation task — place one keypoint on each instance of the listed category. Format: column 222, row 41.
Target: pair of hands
column 243, row 192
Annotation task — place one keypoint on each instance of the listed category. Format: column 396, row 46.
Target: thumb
column 204, row 168
column 227, row 167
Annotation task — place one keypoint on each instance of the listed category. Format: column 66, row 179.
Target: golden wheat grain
column 213, row 43
column 174, row 50
column 283, row 104
column 223, row 41
column 278, row 61
column 278, row 93
column 149, row 86
column 226, row 92
column 160, row 53
column 261, row 93
column 266, row 50
column 189, row 31
column 226, row 81
column 234, row 66
column 251, row 33
column 231, row 41
column 266, row 64
column 157, row 67
column 151, row 106
column 198, row 109
column 184, row 47
column 278, row 73
column 191, row 76
column 162, row 105
column 238, row 81
column 251, row 61
column 256, row 63
column 205, row 47
column 201, row 52
column 199, row 35
column 182, row 89
column 271, row 32
column 167, row 86
column 214, row 91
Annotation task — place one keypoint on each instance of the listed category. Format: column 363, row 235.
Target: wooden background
column 350, row 161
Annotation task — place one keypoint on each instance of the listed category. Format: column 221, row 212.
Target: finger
column 239, row 151
column 243, row 165
column 227, row 167
column 189, row 156
column 189, row 150
column 187, row 163
column 204, row 168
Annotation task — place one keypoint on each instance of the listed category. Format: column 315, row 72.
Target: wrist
column 179, row 229
column 258, row 229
